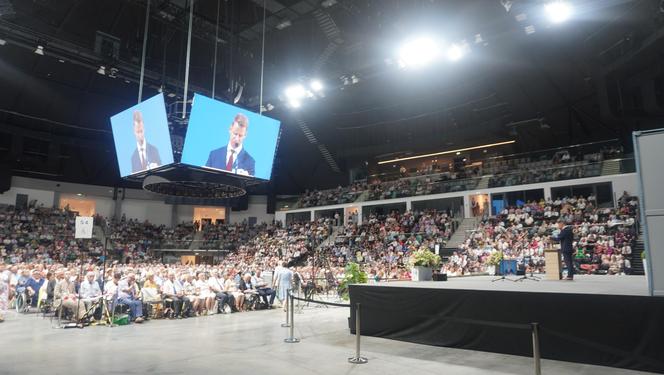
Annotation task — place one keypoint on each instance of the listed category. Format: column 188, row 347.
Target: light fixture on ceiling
column 316, row 85
column 39, row 50
column 113, row 73
column 102, row 70
column 448, row 152
column 283, row 24
column 418, row 52
column 455, row 52
column 558, row 11
column 2, row 42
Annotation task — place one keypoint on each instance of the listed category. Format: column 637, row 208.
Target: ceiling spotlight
column 2, row 42
column 160, row 89
column 171, row 95
column 328, row 3
column 267, row 107
column 455, row 52
column 296, row 92
column 102, row 70
column 418, row 52
column 40, row 50
column 283, row 24
column 294, row 103
column 558, row 11
column 316, row 85
column 113, row 73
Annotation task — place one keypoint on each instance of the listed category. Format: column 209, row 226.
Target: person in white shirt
column 173, row 290
column 89, row 290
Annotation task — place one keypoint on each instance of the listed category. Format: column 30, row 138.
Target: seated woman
column 205, row 294
column 191, row 295
column 230, row 287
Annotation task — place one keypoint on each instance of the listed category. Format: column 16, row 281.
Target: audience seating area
column 605, row 237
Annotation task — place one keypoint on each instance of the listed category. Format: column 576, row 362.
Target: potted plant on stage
column 494, row 261
column 352, row 275
column 422, row 263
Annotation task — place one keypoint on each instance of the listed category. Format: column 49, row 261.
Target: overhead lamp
column 296, row 92
column 102, row 70
column 418, row 52
column 316, row 85
column 2, row 42
column 455, row 52
column 294, row 103
column 283, row 24
column 40, row 50
column 558, row 11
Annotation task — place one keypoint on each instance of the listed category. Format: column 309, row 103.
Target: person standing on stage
column 566, row 237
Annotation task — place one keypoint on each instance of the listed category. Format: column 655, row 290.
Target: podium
column 554, row 269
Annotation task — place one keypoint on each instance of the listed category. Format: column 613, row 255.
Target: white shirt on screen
column 142, row 149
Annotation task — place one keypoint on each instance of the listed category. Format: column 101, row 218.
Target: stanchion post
column 291, row 338
column 358, row 359
column 536, row 348
column 287, row 324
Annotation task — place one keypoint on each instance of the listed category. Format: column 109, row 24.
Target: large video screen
column 227, row 138
column 141, row 136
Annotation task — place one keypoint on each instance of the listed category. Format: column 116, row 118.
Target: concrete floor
column 583, row 284
column 250, row 343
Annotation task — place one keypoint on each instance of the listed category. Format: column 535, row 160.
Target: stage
column 601, row 320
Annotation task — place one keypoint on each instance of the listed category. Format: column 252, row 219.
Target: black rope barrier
column 321, row 302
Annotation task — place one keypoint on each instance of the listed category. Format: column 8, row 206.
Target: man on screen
column 233, row 157
column 145, row 156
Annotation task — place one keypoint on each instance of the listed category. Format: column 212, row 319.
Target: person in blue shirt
column 33, row 286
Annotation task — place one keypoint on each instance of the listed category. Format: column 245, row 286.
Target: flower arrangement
column 352, row 275
column 495, row 258
column 424, row 258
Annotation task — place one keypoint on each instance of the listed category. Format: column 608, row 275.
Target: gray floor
column 583, row 284
column 250, row 343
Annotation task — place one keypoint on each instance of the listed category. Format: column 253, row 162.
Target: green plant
column 424, row 258
column 352, row 275
column 495, row 258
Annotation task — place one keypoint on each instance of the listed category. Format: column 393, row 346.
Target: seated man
column 247, row 288
column 173, row 291
column 90, row 291
column 266, row 293
column 64, row 295
column 128, row 295
column 216, row 284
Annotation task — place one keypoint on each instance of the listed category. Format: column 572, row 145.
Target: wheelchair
column 22, row 302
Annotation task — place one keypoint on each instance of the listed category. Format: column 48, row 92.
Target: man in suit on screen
column 233, row 157
column 145, row 156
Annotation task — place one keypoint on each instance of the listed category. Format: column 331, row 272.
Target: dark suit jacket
column 566, row 237
column 152, row 155
column 217, row 159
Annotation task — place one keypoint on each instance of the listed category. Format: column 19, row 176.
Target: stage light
column 39, row 50
column 558, row 11
column 418, row 52
column 171, row 95
column 455, row 52
column 294, row 103
column 2, row 42
column 102, row 70
column 296, row 92
column 316, row 85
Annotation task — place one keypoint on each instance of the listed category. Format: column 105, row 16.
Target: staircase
column 461, row 233
column 484, row 183
column 198, row 239
column 637, row 262
column 610, row 167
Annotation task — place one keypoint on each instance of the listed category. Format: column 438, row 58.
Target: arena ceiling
column 596, row 77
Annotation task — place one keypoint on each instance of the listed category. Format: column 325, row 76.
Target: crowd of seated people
column 604, row 237
column 431, row 184
column 383, row 243
column 340, row 195
column 179, row 237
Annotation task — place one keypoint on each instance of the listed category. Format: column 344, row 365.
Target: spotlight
column 418, row 52
column 316, row 85
column 558, row 11
column 296, row 92
column 40, row 50
column 171, row 95
column 294, row 103
column 455, row 52
column 2, row 42
column 102, row 70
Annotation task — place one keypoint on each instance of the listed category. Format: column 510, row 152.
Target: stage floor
column 582, row 284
